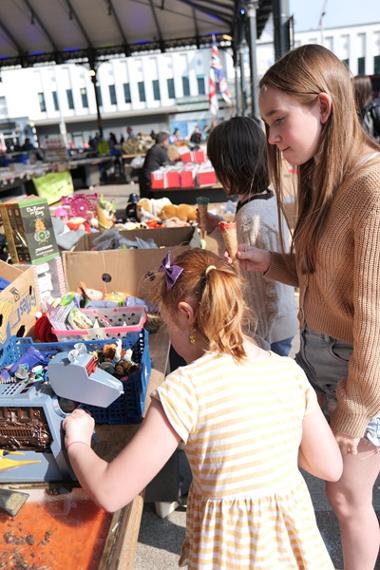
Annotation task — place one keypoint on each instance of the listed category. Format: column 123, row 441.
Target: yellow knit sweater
column 342, row 297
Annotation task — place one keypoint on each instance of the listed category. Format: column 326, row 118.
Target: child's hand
column 211, row 221
column 253, row 259
column 348, row 445
column 79, row 427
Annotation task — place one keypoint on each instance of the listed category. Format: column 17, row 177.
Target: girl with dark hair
column 247, row 418
column 367, row 107
column 237, row 151
column 308, row 105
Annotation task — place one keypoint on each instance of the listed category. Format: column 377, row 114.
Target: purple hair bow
column 172, row 272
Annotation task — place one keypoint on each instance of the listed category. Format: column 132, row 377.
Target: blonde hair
column 305, row 73
column 215, row 293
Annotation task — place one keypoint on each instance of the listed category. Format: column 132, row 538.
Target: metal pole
column 251, row 11
column 237, row 87
column 242, row 78
column 280, row 24
column 98, row 114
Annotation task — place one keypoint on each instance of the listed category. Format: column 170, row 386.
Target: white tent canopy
column 34, row 31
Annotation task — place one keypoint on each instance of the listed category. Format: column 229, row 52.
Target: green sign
column 54, row 186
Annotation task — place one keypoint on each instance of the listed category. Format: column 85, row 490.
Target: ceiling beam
column 10, row 36
column 196, row 27
column 119, row 26
column 211, row 4
column 210, row 12
column 80, row 25
column 42, row 25
column 157, row 24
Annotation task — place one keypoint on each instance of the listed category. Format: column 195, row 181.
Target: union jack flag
column 216, row 75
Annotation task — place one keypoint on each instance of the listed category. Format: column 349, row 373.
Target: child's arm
column 319, row 453
column 113, row 485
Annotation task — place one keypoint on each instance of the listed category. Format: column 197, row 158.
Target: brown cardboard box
column 124, row 270
column 19, row 302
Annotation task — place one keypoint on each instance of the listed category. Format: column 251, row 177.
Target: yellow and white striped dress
column 248, row 507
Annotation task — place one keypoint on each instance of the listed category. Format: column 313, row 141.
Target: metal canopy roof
column 35, row 31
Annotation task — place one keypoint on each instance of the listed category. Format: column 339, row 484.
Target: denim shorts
column 324, row 360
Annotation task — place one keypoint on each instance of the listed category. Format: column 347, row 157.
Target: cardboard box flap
column 162, row 237
column 19, row 302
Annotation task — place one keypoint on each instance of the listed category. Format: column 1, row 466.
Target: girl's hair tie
column 208, row 268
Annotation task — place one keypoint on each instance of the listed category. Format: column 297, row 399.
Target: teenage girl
column 247, row 418
column 307, row 103
column 237, row 151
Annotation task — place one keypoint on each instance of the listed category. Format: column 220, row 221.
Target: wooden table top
column 120, row 545
column 120, row 549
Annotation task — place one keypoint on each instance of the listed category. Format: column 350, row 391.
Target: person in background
column 195, row 138
column 156, row 157
column 130, row 133
column 112, row 140
column 27, row 145
column 175, row 137
column 247, row 418
column 237, row 151
column 367, row 107
column 308, row 105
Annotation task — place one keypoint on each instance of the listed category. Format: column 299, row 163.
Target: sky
column 338, row 13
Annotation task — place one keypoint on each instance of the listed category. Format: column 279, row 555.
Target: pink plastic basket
column 123, row 320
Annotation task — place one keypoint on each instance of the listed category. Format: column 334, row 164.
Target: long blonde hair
column 215, row 295
column 305, row 73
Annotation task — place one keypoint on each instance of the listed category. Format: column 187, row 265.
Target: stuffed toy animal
column 183, row 212
column 151, row 208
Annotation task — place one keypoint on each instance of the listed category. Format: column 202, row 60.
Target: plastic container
column 124, row 320
column 129, row 407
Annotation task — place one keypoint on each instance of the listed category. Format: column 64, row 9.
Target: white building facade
column 152, row 91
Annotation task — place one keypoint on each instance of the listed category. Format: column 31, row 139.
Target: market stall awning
column 35, row 31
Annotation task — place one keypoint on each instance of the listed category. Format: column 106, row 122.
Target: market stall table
column 66, row 530
column 189, row 195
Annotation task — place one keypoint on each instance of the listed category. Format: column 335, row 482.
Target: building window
column 171, row 88
column 83, row 96
column 201, row 85
column 55, row 100
column 141, row 88
column 361, row 65
column 376, row 64
column 156, row 90
column 3, row 107
column 112, row 90
column 99, row 96
column 345, row 43
column 346, row 62
column 185, row 86
column 329, row 42
column 70, row 99
column 127, row 93
column 42, row 102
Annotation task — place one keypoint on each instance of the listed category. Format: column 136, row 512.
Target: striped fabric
column 248, row 507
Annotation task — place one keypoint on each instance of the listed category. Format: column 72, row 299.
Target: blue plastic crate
column 129, row 407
